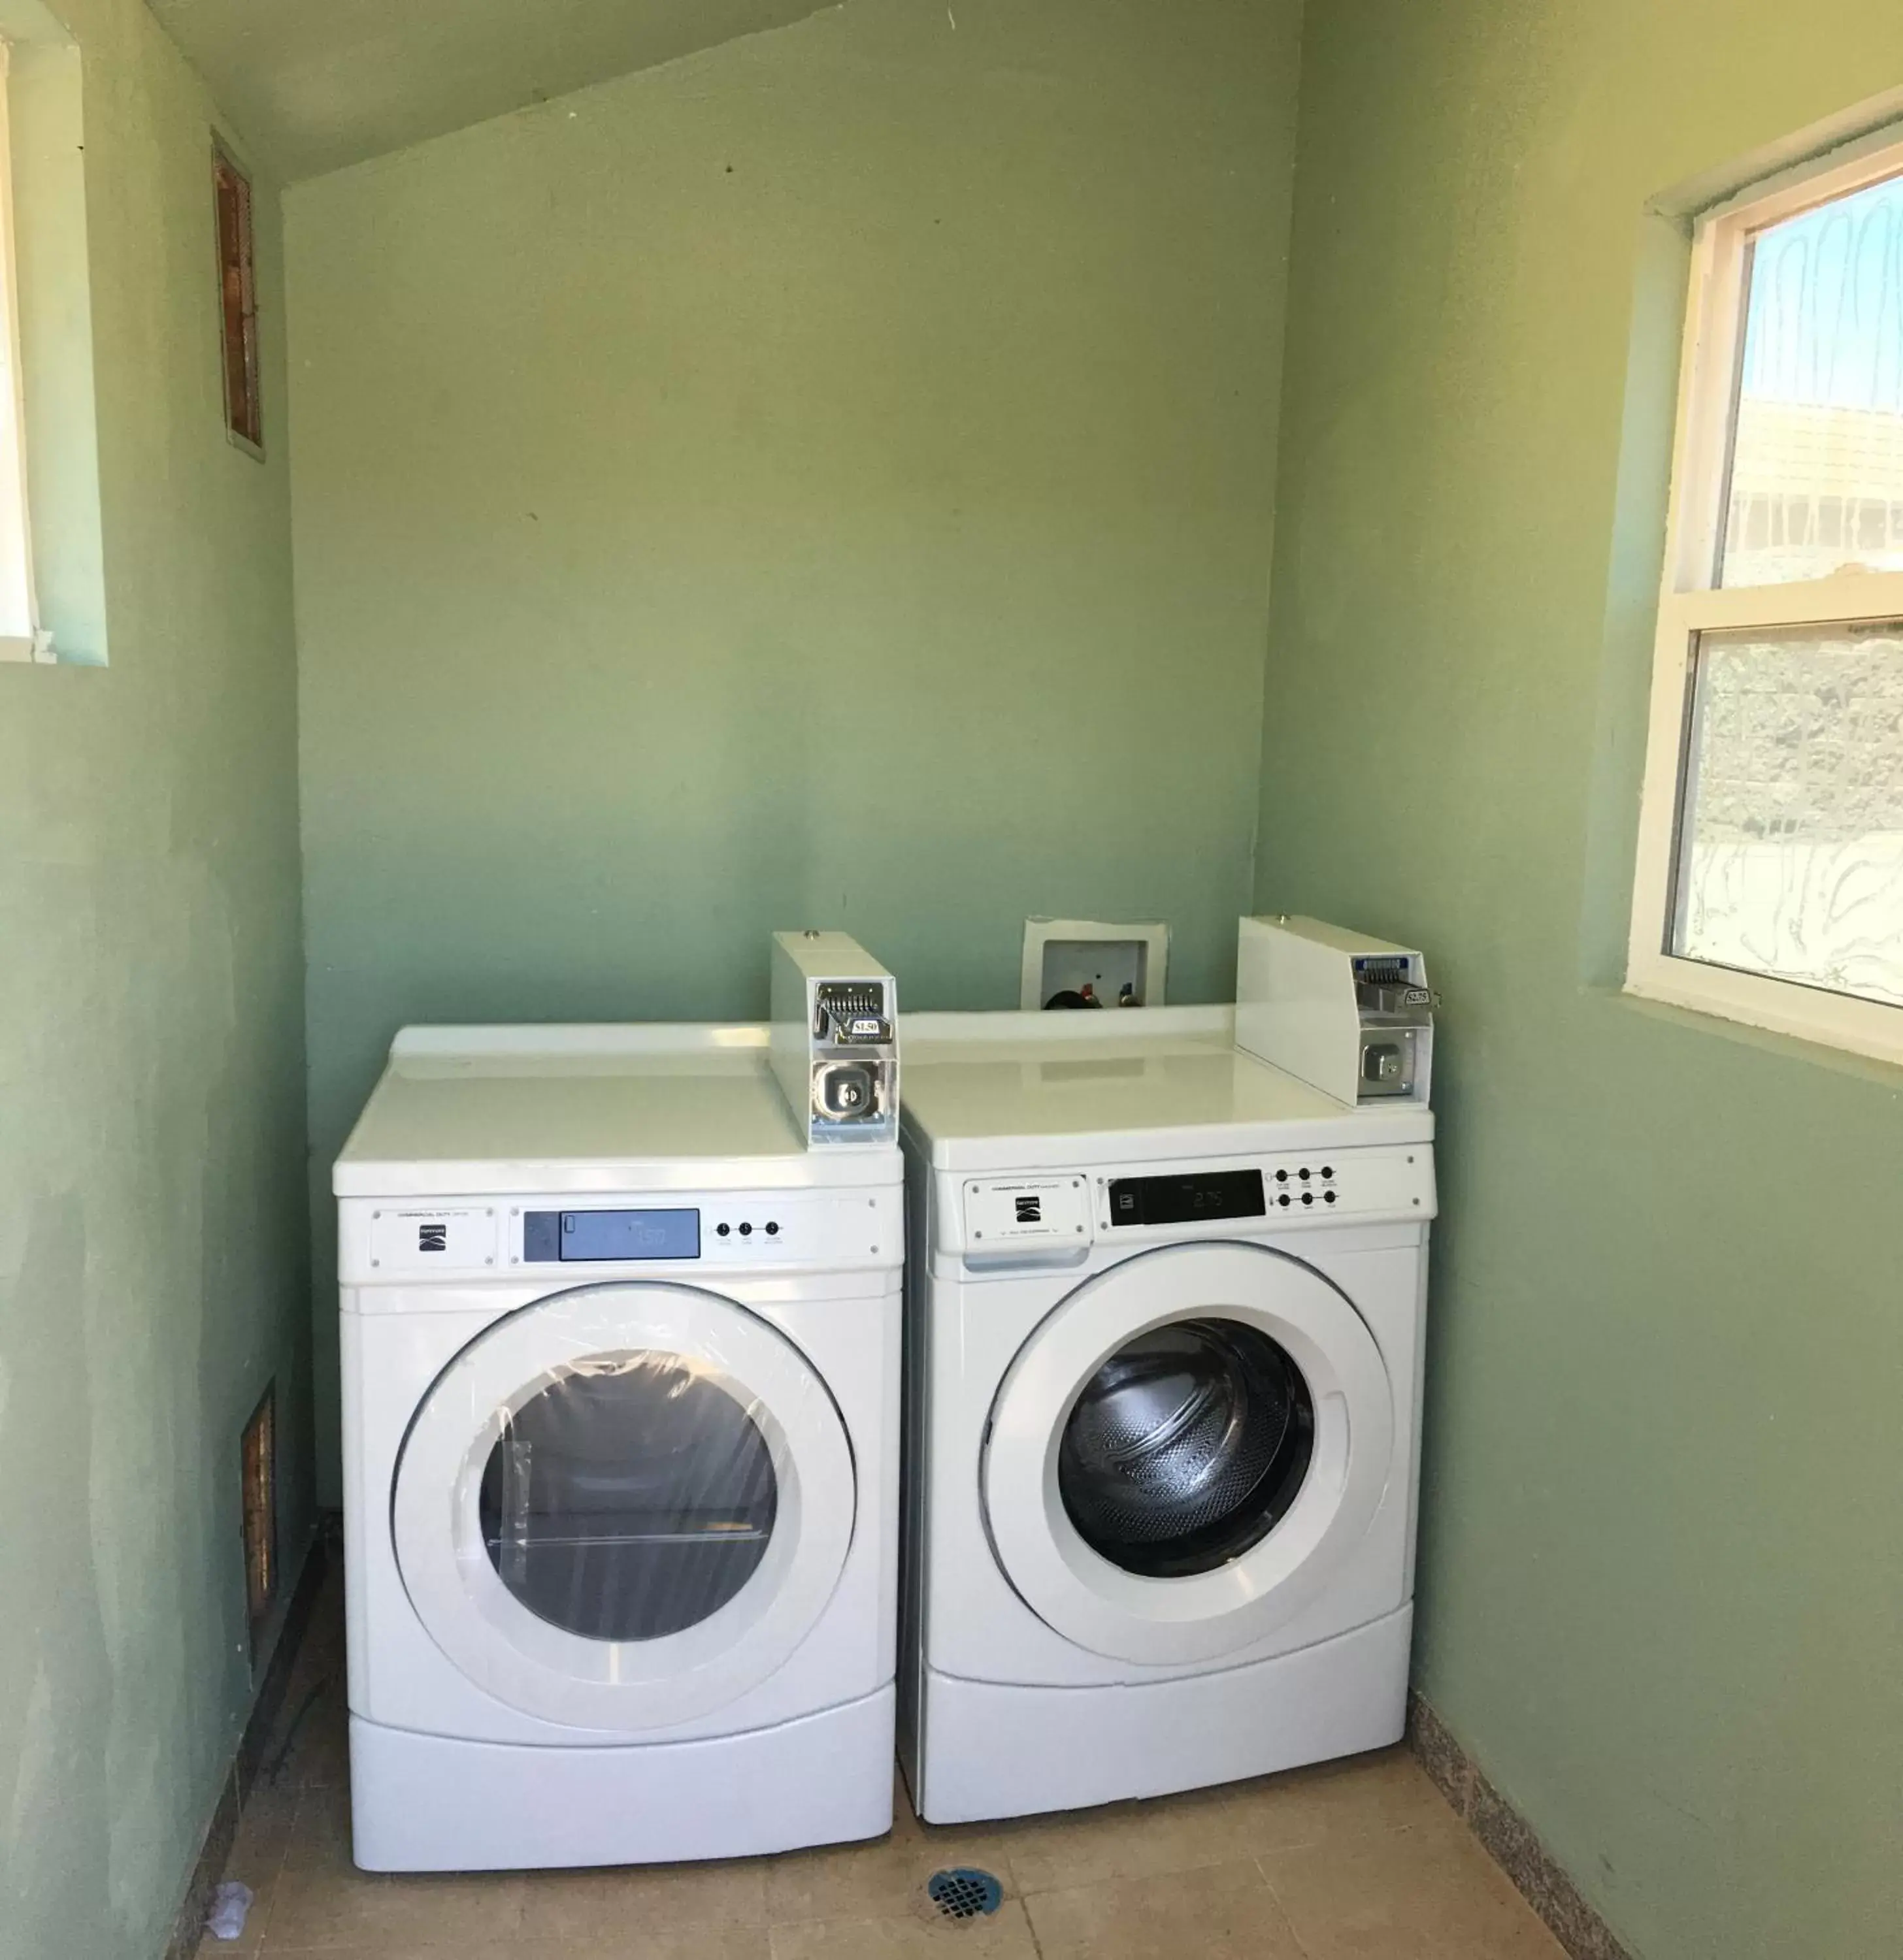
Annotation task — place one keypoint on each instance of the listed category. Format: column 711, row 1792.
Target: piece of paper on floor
column 230, row 1903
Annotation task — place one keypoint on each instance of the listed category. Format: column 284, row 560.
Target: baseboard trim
column 188, row 1925
column 1508, row 1839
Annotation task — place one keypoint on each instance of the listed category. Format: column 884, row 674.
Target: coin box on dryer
column 835, row 1038
column 1351, row 1016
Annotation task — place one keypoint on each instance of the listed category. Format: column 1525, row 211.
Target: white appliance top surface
column 470, row 1111
column 1010, row 1091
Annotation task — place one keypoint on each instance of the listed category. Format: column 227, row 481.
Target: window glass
column 630, row 1499
column 1791, row 847
column 1816, row 482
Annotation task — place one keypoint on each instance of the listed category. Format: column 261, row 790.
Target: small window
column 238, row 303
column 1770, row 878
column 52, row 586
column 20, row 636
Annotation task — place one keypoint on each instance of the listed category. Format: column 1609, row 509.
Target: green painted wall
column 1662, row 1566
column 332, row 85
column 824, row 480
column 152, row 1226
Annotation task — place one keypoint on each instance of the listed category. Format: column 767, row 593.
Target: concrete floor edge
column 247, row 1759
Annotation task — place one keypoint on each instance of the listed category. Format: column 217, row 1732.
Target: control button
column 746, row 1231
column 1285, row 1199
column 772, row 1231
column 1307, row 1197
column 1327, row 1197
column 1281, row 1177
column 723, row 1229
column 1327, row 1170
column 1303, row 1173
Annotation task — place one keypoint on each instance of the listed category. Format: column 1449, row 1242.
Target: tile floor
column 1357, row 1861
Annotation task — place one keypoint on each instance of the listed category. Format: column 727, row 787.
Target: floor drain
column 963, row 1893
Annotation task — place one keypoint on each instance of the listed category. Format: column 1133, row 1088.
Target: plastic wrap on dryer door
column 629, row 1496
column 632, row 1489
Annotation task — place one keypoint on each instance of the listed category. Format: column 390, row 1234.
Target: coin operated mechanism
column 835, row 1038
column 1351, row 1016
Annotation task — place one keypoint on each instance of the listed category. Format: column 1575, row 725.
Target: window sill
column 1864, row 1029
column 33, row 649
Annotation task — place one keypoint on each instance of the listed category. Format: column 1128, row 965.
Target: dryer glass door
column 1184, row 1450
column 624, row 1506
column 630, row 1498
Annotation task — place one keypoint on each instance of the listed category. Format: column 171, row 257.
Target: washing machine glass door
column 1183, row 1451
column 623, row 1506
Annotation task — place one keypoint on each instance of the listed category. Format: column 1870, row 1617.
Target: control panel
column 583, row 1237
column 1061, row 1215
column 1185, row 1197
column 1306, row 1184
column 579, row 1238
column 1395, row 1181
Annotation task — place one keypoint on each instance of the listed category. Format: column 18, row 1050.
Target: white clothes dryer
column 1164, row 1373
column 620, row 1370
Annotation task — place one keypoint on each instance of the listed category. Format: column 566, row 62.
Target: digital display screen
column 1186, row 1198
column 549, row 1237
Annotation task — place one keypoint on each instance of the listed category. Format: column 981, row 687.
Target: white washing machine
column 621, row 1364
column 1164, row 1377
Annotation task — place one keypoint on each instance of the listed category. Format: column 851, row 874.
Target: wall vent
column 237, row 301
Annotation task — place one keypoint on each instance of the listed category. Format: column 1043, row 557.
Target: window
column 237, row 303
column 20, row 636
column 52, row 578
column 1770, row 877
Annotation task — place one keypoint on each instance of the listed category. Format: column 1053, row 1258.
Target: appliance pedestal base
column 430, row 1803
column 1003, row 1752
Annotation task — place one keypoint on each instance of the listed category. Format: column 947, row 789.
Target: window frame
column 1691, row 602
column 36, row 645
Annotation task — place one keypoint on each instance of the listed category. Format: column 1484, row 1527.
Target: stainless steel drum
column 1186, row 1447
